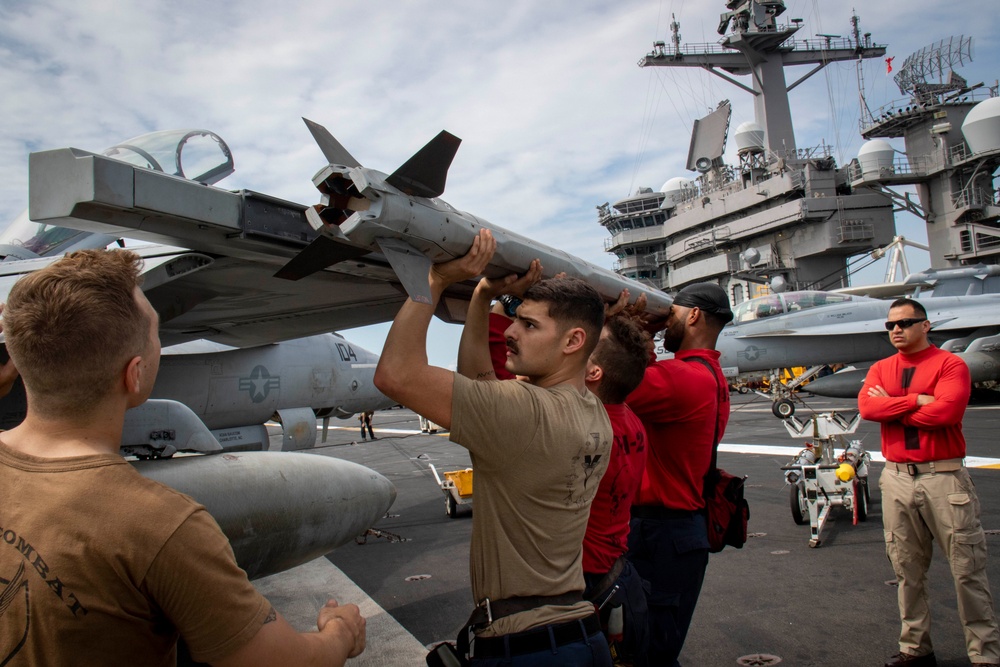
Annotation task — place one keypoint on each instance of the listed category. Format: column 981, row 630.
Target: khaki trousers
column 943, row 507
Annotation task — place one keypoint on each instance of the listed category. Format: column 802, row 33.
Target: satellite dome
column 778, row 284
column 876, row 155
column 981, row 128
column 676, row 190
column 749, row 137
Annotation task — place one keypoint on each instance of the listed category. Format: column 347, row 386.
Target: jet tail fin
column 425, row 173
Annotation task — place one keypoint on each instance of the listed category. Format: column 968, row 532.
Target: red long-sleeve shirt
column 912, row 433
column 680, row 404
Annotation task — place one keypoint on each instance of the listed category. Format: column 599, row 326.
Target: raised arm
column 403, row 373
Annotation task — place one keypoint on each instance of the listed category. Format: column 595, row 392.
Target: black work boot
column 909, row 660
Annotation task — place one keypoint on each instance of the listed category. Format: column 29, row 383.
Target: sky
column 555, row 116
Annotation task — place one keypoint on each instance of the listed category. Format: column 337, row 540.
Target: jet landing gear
column 782, row 395
column 820, row 482
column 783, row 408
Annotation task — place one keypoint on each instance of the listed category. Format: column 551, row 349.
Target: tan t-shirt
column 99, row 565
column 538, row 456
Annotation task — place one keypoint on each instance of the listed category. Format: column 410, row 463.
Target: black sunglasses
column 903, row 324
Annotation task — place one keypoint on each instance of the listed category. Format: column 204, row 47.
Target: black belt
column 660, row 512
column 537, row 639
column 489, row 610
column 597, row 592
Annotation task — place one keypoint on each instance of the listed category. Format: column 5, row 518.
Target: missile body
column 279, row 509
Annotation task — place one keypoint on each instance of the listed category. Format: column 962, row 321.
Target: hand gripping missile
column 401, row 217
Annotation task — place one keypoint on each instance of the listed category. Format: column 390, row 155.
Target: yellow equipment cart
column 457, row 488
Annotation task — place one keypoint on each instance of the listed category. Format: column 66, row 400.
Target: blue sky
column 554, row 114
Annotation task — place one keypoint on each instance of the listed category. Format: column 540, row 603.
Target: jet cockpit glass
column 197, row 155
column 788, row 302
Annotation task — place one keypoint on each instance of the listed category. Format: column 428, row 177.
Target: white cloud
column 554, row 115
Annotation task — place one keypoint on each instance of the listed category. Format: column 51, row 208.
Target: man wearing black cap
column 684, row 404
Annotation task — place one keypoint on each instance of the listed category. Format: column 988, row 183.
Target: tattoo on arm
column 272, row 616
column 480, row 376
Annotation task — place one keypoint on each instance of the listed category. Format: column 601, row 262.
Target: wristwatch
column 510, row 304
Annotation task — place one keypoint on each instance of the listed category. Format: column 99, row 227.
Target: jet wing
column 217, row 279
column 947, row 314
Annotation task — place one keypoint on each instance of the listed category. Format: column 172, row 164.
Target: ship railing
column 904, row 108
column 812, row 153
column 662, row 50
column 974, row 197
column 901, row 166
column 711, row 239
column 976, row 239
column 627, row 236
column 855, row 230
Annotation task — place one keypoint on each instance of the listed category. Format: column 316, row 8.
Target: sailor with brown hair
column 101, row 565
column 539, row 448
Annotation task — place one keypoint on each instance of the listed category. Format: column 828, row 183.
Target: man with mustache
column 539, row 448
column 919, row 396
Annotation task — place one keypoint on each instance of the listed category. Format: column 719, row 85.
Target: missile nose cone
column 279, row 509
column 845, row 384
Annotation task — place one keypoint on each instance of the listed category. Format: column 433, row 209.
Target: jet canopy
column 197, row 155
column 787, row 302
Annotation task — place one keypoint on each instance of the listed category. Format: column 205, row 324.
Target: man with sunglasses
column 919, row 396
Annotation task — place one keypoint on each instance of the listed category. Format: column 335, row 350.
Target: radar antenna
column 938, row 59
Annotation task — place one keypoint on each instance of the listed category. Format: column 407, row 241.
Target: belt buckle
column 911, row 468
column 485, row 605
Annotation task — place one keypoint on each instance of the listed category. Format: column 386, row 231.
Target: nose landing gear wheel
column 783, row 409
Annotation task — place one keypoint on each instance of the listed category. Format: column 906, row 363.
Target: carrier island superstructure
column 787, row 217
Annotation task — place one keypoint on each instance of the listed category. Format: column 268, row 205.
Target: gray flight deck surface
column 832, row 605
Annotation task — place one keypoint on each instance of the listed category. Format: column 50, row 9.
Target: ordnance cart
column 457, row 488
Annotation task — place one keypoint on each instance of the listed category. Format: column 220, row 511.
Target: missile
column 845, row 384
column 981, row 356
column 400, row 216
column 279, row 509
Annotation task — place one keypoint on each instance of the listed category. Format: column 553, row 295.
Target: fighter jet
column 213, row 398
column 820, row 328
column 349, row 262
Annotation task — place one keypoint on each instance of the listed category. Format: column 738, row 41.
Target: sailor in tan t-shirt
column 539, row 449
column 99, row 565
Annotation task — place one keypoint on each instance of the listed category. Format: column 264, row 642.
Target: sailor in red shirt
column 919, row 396
column 683, row 403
